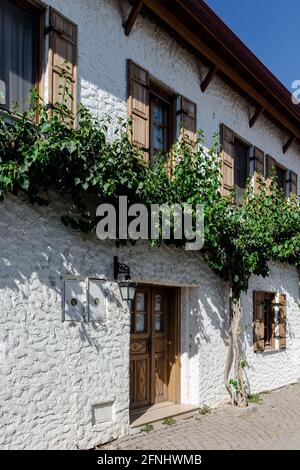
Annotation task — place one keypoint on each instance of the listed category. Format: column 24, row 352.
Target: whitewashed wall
column 204, row 337
column 104, row 49
column 53, row 373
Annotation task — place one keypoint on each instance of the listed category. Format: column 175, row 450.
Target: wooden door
column 149, row 346
column 140, row 349
column 159, row 325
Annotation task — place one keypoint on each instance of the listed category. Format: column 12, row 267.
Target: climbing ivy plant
column 94, row 164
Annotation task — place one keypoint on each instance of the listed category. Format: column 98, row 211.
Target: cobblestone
column 272, row 424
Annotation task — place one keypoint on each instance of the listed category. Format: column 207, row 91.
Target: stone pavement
column 273, row 424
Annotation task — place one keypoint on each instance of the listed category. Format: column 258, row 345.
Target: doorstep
column 160, row 411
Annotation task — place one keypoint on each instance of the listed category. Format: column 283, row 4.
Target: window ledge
column 272, row 351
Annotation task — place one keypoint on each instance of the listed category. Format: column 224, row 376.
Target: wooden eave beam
column 255, row 116
column 186, row 7
column 210, row 75
column 156, row 7
column 134, row 12
column 287, row 145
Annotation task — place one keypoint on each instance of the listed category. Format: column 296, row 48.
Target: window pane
column 240, row 165
column 268, row 322
column 140, row 322
column 157, row 303
column 158, row 138
column 18, row 54
column 140, row 301
column 158, row 114
column 158, row 322
column 160, row 125
column 280, row 177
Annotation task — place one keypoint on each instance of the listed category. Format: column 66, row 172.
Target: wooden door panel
column 160, row 378
column 159, row 344
column 149, row 350
column 138, row 346
column 140, row 350
column 132, row 380
column 142, row 380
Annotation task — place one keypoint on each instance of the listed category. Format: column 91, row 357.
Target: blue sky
column 270, row 28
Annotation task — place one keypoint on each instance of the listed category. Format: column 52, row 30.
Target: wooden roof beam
column 255, row 116
column 210, row 75
column 134, row 13
column 156, row 7
column 287, row 145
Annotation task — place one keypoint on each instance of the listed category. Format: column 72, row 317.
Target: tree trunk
column 236, row 388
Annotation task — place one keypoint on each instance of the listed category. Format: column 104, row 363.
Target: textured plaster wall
column 204, row 337
column 52, row 373
column 102, row 54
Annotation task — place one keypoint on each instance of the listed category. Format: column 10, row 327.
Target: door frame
column 173, row 345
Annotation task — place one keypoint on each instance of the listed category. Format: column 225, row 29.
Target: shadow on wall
column 291, row 289
column 37, row 252
column 205, row 312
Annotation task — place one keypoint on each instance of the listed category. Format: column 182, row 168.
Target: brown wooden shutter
column 138, row 106
column 186, row 117
column 291, row 182
column 62, row 56
column 227, row 143
column 270, row 162
column 282, row 321
column 257, row 157
column 258, row 321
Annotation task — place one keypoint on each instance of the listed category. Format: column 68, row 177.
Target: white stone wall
column 271, row 370
column 102, row 53
column 53, row 373
column 204, row 337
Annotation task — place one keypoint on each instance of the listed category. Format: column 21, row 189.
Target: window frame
column 284, row 170
column 238, row 139
column 272, row 297
column 35, row 7
column 158, row 91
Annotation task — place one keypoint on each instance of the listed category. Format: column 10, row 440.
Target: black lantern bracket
column 121, row 269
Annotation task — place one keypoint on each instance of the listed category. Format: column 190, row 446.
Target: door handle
column 149, row 344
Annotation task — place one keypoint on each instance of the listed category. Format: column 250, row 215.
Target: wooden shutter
column 270, row 162
column 138, row 106
column 62, row 56
column 257, row 157
column 227, row 143
column 291, row 182
column 187, row 117
column 282, row 321
column 258, row 321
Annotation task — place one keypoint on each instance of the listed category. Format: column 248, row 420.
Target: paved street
column 273, row 424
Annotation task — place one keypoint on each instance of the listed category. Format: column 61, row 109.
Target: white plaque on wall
column 97, row 300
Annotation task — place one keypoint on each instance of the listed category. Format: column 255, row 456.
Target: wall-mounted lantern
column 127, row 289
column 122, row 275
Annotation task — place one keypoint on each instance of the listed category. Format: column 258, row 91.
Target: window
column 269, row 321
column 236, row 162
column 241, row 166
column 161, row 104
column 281, row 177
column 287, row 180
column 157, row 114
column 19, row 53
column 160, row 125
